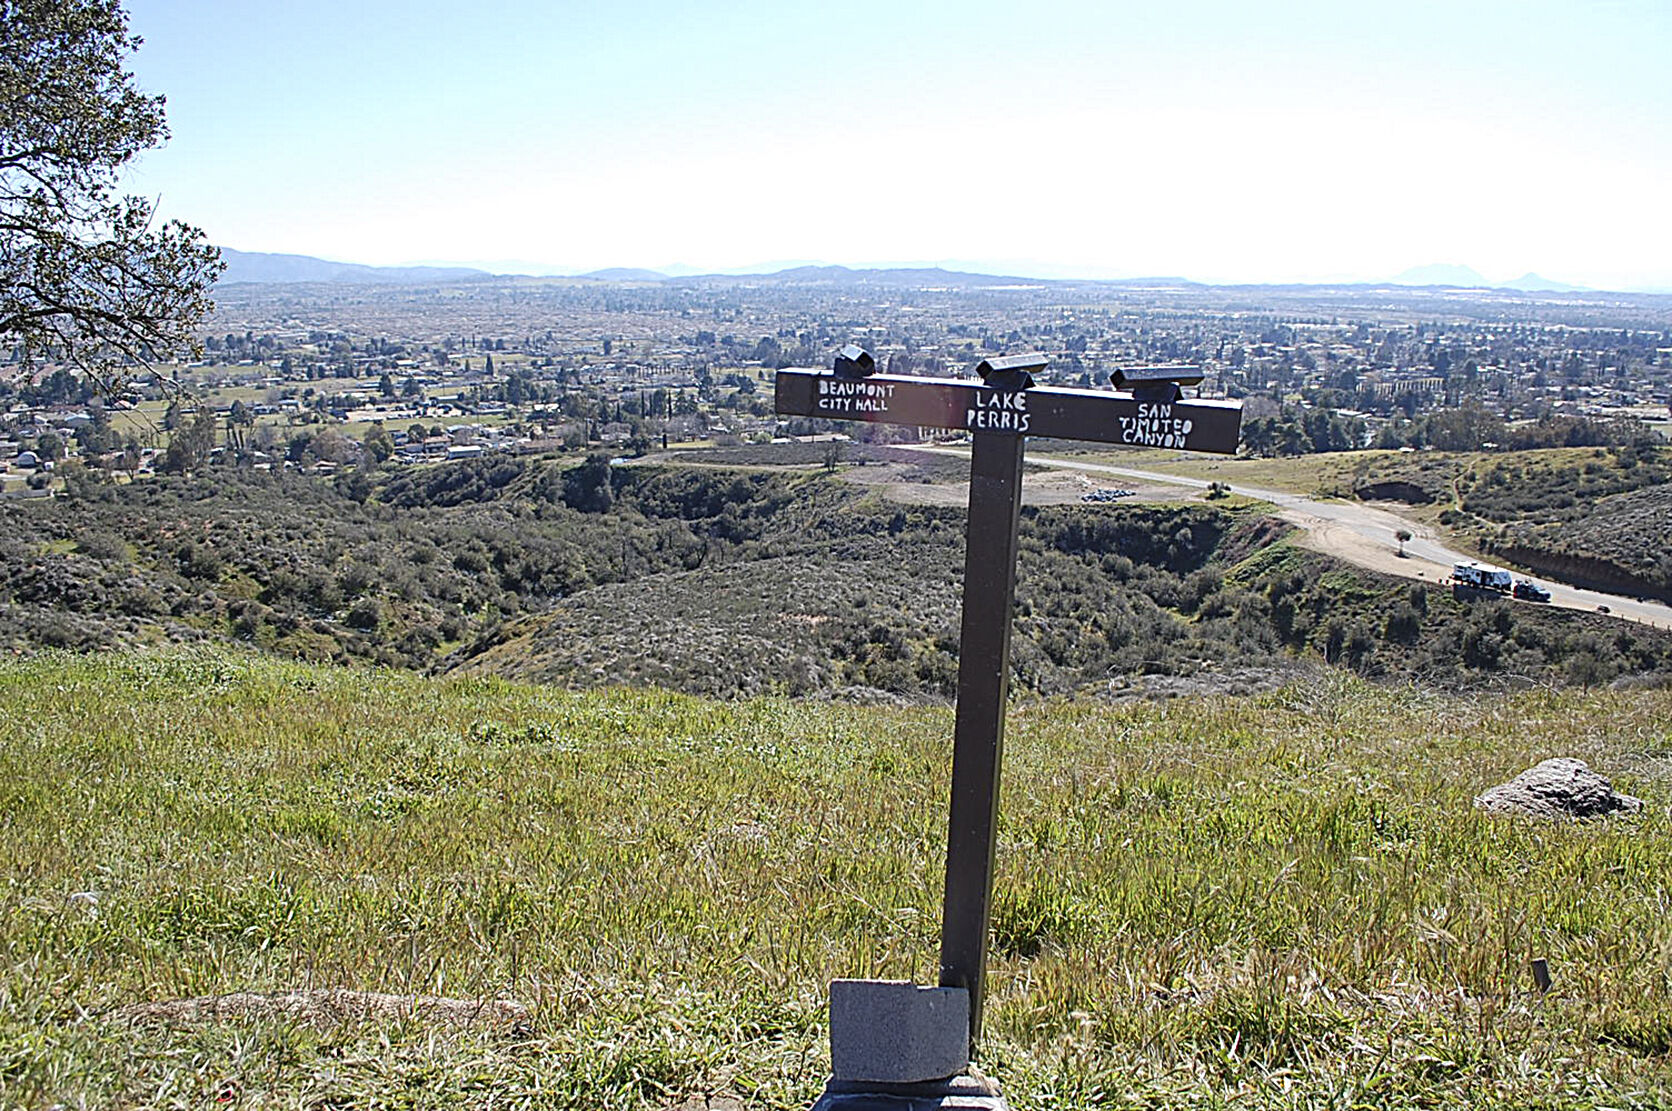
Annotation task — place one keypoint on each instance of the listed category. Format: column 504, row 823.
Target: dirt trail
column 1048, row 487
column 1367, row 535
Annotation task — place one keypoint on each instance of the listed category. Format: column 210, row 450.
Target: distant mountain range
column 1465, row 277
column 262, row 268
column 625, row 274
column 256, row 267
column 253, row 266
column 1533, row 283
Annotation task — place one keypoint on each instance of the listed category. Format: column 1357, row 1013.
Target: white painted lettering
column 846, row 396
column 1155, row 426
column 997, row 411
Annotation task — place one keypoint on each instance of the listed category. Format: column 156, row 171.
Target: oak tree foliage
column 85, row 276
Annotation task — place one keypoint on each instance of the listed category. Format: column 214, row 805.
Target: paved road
column 1366, row 535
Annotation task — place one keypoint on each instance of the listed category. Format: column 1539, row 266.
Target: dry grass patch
column 327, row 1007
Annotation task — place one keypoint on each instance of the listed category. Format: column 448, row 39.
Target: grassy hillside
column 1595, row 517
column 1276, row 901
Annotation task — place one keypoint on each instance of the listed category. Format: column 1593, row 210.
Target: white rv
column 1483, row 578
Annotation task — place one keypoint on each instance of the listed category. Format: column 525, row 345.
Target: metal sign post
column 978, row 729
column 998, row 411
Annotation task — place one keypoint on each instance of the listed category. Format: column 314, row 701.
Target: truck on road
column 1472, row 576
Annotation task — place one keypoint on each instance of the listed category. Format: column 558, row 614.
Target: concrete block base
column 968, row 1092
column 895, row 1032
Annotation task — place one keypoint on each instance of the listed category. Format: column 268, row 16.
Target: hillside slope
column 737, row 581
column 1276, row 901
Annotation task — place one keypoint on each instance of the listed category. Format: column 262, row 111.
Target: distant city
column 313, row 365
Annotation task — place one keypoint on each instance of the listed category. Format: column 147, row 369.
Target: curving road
column 1366, row 535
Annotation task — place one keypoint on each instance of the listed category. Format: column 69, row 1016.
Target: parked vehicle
column 1482, row 578
column 1530, row 590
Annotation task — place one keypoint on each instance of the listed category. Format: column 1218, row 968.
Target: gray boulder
column 1560, row 788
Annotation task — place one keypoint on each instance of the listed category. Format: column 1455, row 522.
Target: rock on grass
column 1559, row 788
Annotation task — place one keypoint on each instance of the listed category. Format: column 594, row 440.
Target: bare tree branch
column 84, row 276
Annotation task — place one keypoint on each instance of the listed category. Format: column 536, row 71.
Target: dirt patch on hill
column 1044, row 487
column 1056, row 487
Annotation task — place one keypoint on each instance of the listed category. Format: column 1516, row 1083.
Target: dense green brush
column 735, row 583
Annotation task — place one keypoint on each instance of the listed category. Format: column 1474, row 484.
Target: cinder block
column 895, row 1032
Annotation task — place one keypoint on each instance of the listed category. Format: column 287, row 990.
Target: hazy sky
column 1219, row 141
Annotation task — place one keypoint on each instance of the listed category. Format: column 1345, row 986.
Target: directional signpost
column 998, row 410
column 969, row 405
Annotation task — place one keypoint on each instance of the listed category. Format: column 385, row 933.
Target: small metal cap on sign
column 854, row 361
column 1011, row 372
column 1156, row 383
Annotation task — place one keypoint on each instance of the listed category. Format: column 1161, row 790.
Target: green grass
column 1278, row 901
column 1328, row 475
column 226, row 395
column 144, row 420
